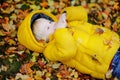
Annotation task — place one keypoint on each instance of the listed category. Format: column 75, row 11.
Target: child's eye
column 50, row 22
column 48, row 28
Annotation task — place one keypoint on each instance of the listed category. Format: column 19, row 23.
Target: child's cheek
column 51, row 30
column 48, row 32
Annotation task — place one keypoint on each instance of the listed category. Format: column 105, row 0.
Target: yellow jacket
column 86, row 47
column 25, row 35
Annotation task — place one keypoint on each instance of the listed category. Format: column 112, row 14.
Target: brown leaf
column 2, row 33
column 10, row 50
column 4, row 5
column 21, row 47
column 107, row 23
column 11, row 42
column 41, row 63
column 5, row 27
column 115, row 27
column 116, row 6
column 44, row 3
column 99, row 31
column 63, row 71
column 8, row 10
column 2, row 20
column 26, row 68
column 6, row 24
column 22, row 14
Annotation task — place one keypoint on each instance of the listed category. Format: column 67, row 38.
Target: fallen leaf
column 116, row 6
column 107, row 23
column 26, row 68
column 99, row 31
column 44, row 3
column 2, row 20
column 11, row 42
column 34, row 7
column 21, row 47
column 4, row 5
column 41, row 63
column 8, row 10
column 1, row 33
column 22, row 14
column 6, row 24
column 10, row 50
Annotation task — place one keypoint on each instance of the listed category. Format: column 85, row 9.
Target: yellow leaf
column 1, row 17
column 11, row 42
column 1, row 33
column 34, row 7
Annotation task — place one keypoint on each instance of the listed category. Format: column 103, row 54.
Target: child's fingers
column 63, row 17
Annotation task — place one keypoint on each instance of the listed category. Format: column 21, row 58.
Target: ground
column 19, row 63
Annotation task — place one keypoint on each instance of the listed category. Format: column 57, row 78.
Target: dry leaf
column 10, row 50
column 11, row 42
column 44, row 3
column 99, row 31
column 2, row 33
column 41, row 63
column 22, row 14
column 26, row 68
column 2, row 20
column 107, row 23
column 4, row 5
column 8, row 10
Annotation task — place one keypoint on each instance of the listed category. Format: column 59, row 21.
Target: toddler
column 91, row 49
column 42, row 27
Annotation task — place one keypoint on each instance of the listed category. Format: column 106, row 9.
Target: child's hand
column 62, row 21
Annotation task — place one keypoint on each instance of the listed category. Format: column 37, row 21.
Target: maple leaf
column 4, row 5
column 22, row 14
column 44, row 3
column 26, row 68
column 8, row 10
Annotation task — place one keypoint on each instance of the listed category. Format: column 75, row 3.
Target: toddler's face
column 42, row 28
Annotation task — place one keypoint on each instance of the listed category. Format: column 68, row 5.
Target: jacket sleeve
column 76, row 13
column 62, row 47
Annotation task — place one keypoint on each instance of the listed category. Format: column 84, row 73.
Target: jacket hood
column 25, row 34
